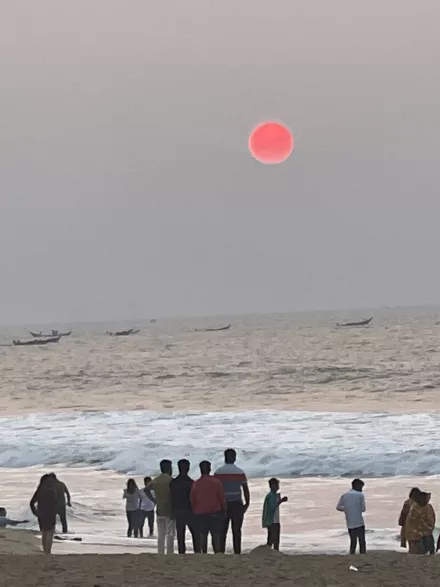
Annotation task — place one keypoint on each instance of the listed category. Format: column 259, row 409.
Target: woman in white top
column 147, row 510
column 132, row 497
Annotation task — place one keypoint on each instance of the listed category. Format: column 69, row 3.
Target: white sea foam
column 269, row 443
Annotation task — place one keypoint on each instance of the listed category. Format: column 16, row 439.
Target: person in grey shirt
column 352, row 504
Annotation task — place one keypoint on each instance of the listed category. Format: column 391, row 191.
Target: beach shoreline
column 261, row 567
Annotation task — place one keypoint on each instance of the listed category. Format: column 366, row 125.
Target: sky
column 126, row 186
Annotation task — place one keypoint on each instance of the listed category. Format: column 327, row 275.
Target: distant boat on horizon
column 124, row 332
column 53, row 334
column 36, row 341
column 359, row 323
column 227, row 327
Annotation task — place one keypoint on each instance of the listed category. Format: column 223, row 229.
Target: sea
column 295, row 395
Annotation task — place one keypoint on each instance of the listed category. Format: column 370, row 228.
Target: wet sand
column 262, row 567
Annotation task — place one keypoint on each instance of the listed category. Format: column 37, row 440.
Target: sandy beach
column 261, row 567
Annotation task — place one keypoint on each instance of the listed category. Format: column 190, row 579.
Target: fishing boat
column 124, row 332
column 359, row 323
column 36, row 341
column 227, row 327
column 53, row 334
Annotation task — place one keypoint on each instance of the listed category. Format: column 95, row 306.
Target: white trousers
column 166, row 530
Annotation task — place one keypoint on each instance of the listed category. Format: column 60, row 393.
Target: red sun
column 271, row 142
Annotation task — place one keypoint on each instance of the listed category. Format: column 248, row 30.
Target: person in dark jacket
column 44, row 505
column 180, row 488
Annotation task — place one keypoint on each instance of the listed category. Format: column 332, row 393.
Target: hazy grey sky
column 126, row 187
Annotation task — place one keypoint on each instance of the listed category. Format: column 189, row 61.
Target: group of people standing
column 417, row 520
column 206, row 506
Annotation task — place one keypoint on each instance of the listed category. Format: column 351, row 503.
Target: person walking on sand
column 352, row 504
column 147, row 510
column 404, row 514
column 166, row 527
column 209, row 506
column 132, row 498
column 420, row 524
column 44, row 505
column 180, row 488
column 271, row 514
column 234, row 482
column 64, row 500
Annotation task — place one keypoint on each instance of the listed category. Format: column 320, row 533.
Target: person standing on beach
column 352, row 504
column 44, row 505
column 420, row 524
column 180, row 488
column 132, row 498
column 63, row 501
column 166, row 528
column 271, row 514
column 234, row 482
column 209, row 506
column 147, row 510
column 404, row 514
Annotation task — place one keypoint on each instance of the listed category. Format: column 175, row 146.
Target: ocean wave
column 292, row 444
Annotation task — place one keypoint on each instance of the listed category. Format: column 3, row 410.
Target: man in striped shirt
column 235, row 484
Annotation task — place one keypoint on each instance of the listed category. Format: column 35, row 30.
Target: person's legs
column 181, row 531
column 170, row 532
column 150, row 518
column 130, row 524
column 161, row 533
column 192, row 525
column 269, row 536
column 353, row 540
column 137, row 518
column 63, row 519
column 44, row 540
column 362, row 542
column 276, row 532
column 224, row 530
column 237, row 517
column 428, row 544
column 203, row 533
column 142, row 516
column 215, row 528
column 49, row 541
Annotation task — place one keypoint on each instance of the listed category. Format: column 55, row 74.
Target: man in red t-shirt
column 209, row 506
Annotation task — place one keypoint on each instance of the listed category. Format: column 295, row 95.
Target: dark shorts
column 47, row 523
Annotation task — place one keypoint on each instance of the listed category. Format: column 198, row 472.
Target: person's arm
column 33, row 502
column 148, row 491
column 124, row 494
column 363, row 505
column 340, row 506
column 404, row 513
column 193, row 496
column 431, row 517
column 246, row 493
column 66, row 491
column 221, row 497
column 16, row 522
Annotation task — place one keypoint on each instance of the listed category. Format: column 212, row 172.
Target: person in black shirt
column 180, row 488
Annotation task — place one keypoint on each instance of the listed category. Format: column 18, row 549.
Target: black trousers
column 133, row 519
column 186, row 519
column 273, row 536
column 234, row 517
column 146, row 516
column 63, row 518
column 209, row 524
column 357, row 535
column 428, row 544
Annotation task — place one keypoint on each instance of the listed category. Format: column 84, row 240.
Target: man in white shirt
column 352, row 504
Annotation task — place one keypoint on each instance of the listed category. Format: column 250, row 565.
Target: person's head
column 131, row 486
column 183, row 466
column 274, row 484
column 52, row 476
column 230, row 456
column 166, row 467
column 205, row 468
column 147, row 480
column 414, row 491
column 357, row 484
column 47, row 480
column 3, row 513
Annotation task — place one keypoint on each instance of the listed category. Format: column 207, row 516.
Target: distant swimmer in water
column 44, row 505
column 5, row 521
